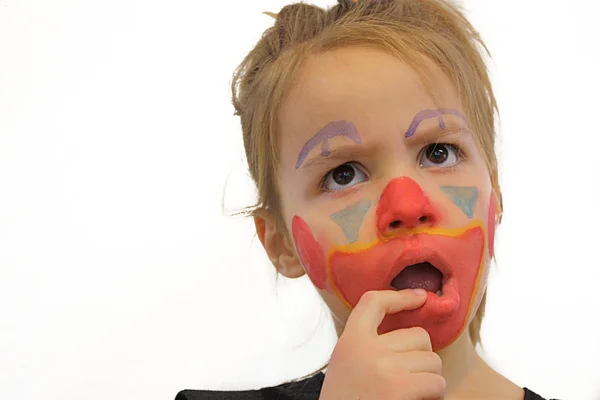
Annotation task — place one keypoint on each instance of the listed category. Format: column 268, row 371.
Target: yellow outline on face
column 449, row 232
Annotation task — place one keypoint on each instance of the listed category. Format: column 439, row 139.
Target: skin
column 380, row 95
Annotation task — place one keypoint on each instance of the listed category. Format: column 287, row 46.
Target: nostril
column 420, row 220
column 395, row 224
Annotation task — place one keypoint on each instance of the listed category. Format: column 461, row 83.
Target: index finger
column 374, row 305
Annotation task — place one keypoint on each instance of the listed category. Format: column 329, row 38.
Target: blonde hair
column 407, row 29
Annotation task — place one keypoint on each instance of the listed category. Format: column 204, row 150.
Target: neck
column 460, row 361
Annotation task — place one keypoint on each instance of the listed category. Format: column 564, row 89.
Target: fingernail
column 420, row 291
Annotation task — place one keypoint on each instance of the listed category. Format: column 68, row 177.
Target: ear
column 278, row 247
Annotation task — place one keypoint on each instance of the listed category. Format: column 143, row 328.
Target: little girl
column 369, row 132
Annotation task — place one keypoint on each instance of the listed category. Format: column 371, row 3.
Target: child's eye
column 439, row 155
column 343, row 177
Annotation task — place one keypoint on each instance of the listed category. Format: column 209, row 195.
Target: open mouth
column 419, row 276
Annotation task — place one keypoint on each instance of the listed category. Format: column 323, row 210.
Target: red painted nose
column 403, row 205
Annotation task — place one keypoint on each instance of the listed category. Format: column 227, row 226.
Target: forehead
column 365, row 85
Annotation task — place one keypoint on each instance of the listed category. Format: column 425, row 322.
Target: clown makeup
column 412, row 251
column 405, row 203
column 464, row 198
column 426, row 114
column 337, row 128
column 350, row 219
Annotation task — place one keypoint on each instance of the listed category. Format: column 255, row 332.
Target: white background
column 120, row 275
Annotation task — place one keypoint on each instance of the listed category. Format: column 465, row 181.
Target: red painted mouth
column 448, row 267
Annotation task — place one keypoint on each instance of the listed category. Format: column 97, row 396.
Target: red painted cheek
column 491, row 225
column 310, row 252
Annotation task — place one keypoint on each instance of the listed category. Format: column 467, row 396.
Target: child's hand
column 399, row 365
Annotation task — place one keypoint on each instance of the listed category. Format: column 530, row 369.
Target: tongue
column 422, row 275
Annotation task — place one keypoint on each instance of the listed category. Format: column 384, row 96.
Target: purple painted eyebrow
column 426, row 114
column 331, row 130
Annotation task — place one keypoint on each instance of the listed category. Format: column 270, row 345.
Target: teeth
column 439, row 293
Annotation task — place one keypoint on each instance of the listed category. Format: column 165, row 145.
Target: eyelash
column 462, row 156
column 323, row 180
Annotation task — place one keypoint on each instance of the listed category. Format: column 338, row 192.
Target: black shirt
column 306, row 389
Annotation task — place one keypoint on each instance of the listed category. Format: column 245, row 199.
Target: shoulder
column 529, row 395
column 305, row 389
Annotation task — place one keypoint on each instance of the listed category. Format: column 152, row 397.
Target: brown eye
column 344, row 176
column 439, row 155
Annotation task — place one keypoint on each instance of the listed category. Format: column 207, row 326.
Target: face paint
column 403, row 204
column 407, row 235
column 426, row 114
column 458, row 254
column 350, row 219
column 463, row 197
column 310, row 252
column 337, row 128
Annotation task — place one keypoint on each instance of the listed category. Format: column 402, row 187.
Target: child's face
column 382, row 189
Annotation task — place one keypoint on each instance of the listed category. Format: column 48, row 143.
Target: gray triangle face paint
column 350, row 219
column 464, row 197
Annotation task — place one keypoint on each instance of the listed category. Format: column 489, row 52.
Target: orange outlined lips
column 458, row 254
